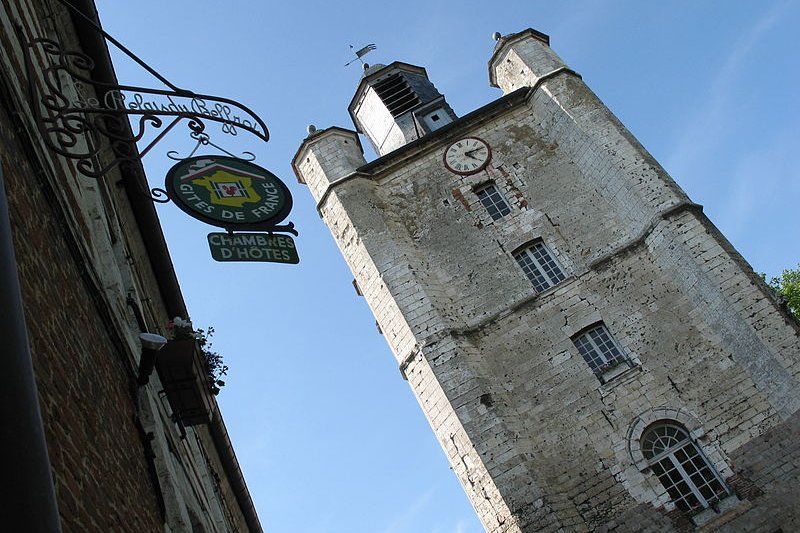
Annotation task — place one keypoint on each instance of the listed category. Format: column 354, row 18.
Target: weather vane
column 360, row 53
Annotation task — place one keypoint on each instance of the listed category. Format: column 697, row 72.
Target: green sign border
column 177, row 171
column 290, row 256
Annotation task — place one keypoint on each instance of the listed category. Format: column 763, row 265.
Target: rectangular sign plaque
column 261, row 247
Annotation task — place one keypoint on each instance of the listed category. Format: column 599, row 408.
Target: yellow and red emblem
column 228, row 192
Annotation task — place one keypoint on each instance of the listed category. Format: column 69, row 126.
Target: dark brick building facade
column 94, row 272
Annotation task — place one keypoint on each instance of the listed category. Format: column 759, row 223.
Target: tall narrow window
column 681, row 467
column 600, row 350
column 540, row 266
column 493, row 201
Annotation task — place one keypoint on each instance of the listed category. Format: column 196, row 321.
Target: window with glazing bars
column 540, row 266
column 599, row 349
column 493, row 201
column 689, row 479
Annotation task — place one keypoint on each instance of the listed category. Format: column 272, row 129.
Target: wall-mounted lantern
column 151, row 345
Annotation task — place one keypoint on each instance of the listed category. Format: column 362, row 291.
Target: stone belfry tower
column 591, row 352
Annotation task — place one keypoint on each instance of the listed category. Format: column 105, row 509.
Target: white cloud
column 403, row 521
column 710, row 124
column 757, row 209
column 461, row 527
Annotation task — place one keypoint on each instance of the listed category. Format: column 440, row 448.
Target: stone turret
column 327, row 156
column 521, row 59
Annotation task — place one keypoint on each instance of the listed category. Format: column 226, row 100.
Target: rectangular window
column 600, row 350
column 493, row 201
column 540, row 266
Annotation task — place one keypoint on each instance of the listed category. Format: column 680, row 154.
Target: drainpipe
column 28, row 496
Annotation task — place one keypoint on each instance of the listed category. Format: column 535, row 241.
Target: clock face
column 467, row 156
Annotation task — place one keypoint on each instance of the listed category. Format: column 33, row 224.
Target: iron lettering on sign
column 253, row 247
column 74, row 107
column 228, row 192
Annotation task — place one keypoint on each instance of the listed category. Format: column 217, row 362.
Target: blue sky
column 328, row 434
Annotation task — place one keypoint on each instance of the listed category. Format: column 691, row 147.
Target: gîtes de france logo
column 228, row 192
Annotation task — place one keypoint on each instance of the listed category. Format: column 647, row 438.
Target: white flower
column 181, row 323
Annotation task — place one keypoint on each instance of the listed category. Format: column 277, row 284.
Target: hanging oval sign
column 228, row 192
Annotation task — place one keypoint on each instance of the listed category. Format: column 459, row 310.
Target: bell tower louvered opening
column 396, row 104
column 396, row 94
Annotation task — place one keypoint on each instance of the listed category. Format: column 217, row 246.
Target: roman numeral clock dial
column 467, row 156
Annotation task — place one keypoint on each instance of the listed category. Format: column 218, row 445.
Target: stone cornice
column 377, row 168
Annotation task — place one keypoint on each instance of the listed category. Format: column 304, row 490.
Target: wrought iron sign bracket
column 74, row 110
column 282, row 228
column 71, row 117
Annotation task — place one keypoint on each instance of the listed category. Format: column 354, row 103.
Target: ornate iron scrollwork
column 72, row 109
column 203, row 139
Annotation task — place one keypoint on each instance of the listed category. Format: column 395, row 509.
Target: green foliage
column 181, row 328
column 215, row 367
column 788, row 286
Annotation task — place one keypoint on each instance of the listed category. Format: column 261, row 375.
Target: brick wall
column 86, row 391
column 119, row 460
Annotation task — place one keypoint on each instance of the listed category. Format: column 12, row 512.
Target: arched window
column 686, row 474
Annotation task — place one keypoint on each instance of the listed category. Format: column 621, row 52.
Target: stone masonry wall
column 381, row 279
column 492, row 362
